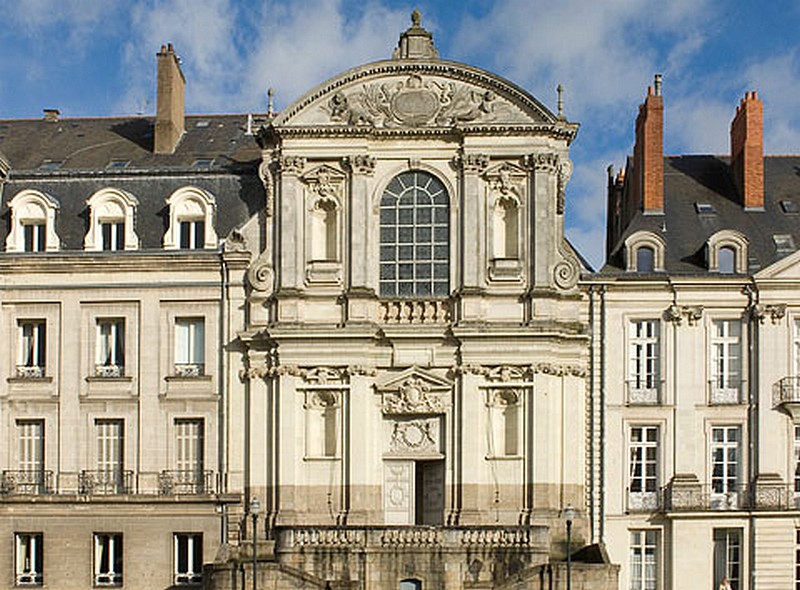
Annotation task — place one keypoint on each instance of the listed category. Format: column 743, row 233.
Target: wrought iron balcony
column 29, row 578
column 185, row 482
column 786, row 396
column 642, row 393
column 644, row 501
column 109, row 371
column 192, row 579
column 189, row 369
column 31, row 482
column 705, row 497
column 30, row 372
column 729, row 393
column 114, row 481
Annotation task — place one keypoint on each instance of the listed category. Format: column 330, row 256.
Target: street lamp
column 255, row 508
column 569, row 515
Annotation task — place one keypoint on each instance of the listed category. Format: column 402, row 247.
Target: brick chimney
column 169, row 101
column 648, row 152
column 747, row 151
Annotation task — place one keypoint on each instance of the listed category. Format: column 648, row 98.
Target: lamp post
column 569, row 515
column 255, row 508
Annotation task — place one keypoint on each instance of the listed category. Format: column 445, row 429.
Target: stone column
column 543, row 220
column 473, row 236
column 360, row 250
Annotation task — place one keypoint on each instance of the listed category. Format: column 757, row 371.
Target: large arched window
column 415, row 237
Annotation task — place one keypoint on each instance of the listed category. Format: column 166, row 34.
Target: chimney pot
column 51, row 114
column 170, row 114
column 747, row 150
column 648, row 154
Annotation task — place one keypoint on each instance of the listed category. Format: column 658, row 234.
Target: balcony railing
column 29, row 578
column 185, row 482
column 189, row 579
column 411, row 311
column 740, row 497
column 32, row 482
column 534, row 537
column 30, row 372
column 189, row 369
column 640, row 394
column 729, row 393
column 786, row 391
column 109, row 371
column 644, row 501
column 116, row 481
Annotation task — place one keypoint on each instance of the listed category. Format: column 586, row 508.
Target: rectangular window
column 110, row 477
column 189, row 456
column 643, row 468
column 190, row 346
column 30, row 478
column 113, row 235
column 108, row 559
column 725, row 467
column 110, row 357
column 192, row 235
column 644, row 353
column 728, row 557
column 28, row 559
column 188, row 559
column 644, row 560
column 32, row 351
column 726, row 361
column 34, row 236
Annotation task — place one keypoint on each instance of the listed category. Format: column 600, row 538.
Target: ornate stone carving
column 415, row 102
column 760, row 311
column 503, row 397
column 675, row 314
column 322, row 375
column 362, row 164
column 547, row 162
column 235, row 242
column 267, row 180
column 415, row 436
column 321, row 399
column 261, row 276
column 506, row 181
column 564, row 173
column 498, row 374
column 414, row 396
column 292, row 164
column 362, row 370
column 472, row 163
column 560, row 370
column 506, row 373
column 566, row 274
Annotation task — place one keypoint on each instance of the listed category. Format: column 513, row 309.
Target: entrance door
column 430, row 492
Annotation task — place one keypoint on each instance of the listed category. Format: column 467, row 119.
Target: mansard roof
column 701, row 199
column 419, row 96
column 71, row 159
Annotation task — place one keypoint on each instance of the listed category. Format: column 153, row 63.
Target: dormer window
column 111, row 215
column 645, row 259
column 191, row 220
column 644, row 252
column 33, row 221
column 727, row 252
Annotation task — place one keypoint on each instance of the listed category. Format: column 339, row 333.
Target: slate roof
column 85, row 148
column 689, row 180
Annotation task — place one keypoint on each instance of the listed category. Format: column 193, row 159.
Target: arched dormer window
column 33, row 223
column 111, row 215
column 726, row 252
column 644, row 252
column 415, row 237
column 191, row 220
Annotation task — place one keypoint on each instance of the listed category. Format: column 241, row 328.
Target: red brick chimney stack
column 648, row 152
column 169, row 101
column 747, row 150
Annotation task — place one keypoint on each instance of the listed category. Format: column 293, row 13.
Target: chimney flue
column 648, row 152
column 170, row 114
column 747, row 151
column 51, row 114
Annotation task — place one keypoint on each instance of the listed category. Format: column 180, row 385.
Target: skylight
column 50, row 165
column 704, row 208
column 203, row 123
column 784, row 243
column 202, row 163
column 790, row 206
column 118, row 164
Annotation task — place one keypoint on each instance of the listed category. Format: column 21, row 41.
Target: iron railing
column 30, row 481
column 113, row 481
column 186, row 482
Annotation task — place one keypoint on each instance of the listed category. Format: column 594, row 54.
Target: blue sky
column 97, row 57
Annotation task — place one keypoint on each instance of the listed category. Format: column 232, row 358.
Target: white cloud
column 777, row 80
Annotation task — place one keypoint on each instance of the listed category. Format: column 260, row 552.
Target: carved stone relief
column 418, row 101
column 472, row 163
column 321, row 399
column 415, row 436
column 414, row 396
column 292, row 164
column 362, row 164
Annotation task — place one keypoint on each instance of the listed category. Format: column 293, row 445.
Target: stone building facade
column 697, row 320
column 361, row 312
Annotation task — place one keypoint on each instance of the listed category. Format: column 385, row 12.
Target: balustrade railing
column 186, row 482
column 117, row 481
column 30, row 372
column 30, row 482
column 412, row 311
column 109, row 371
column 189, row 369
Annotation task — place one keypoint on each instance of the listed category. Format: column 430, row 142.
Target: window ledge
column 31, row 380
column 100, row 379
column 188, row 378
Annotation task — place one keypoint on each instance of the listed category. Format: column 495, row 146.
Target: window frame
column 735, row 241
column 189, row 361
column 32, row 352
column 726, row 569
column 645, row 354
column 113, row 544
column 193, row 576
column 644, row 483
column 726, row 361
column 191, row 205
column 644, row 239
column 644, row 543
column 27, row 571
column 402, row 252
column 32, row 208
column 114, row 208
column 725, row 484
column 110, row 347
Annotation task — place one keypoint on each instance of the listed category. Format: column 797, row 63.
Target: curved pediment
column 415, row 95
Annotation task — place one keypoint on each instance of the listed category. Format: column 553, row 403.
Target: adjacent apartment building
column 349, row 337
column 696, row 330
